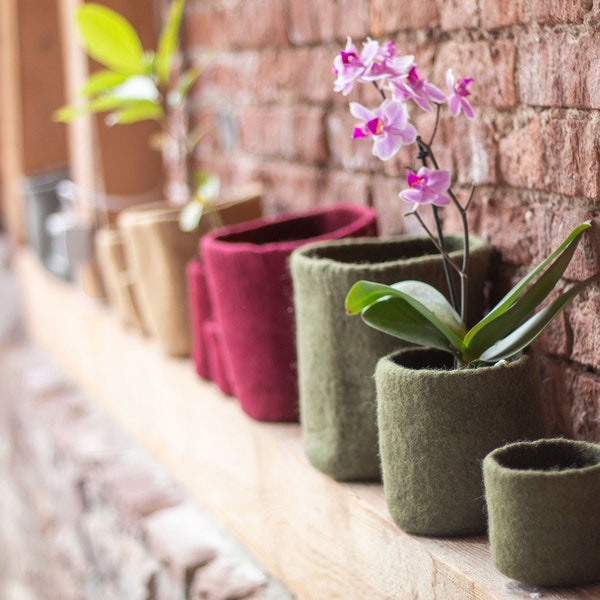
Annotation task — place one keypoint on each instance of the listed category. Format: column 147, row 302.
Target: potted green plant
column 435, row 431
column 138, row 85
column 544, row 514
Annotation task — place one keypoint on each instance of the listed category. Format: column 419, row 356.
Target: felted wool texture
column 200, row 313
column 337, row 353
column 219, row 369
column 251, row 292
column 116, row 278
column 436, row 425
column 158, row 253
column 543, row 501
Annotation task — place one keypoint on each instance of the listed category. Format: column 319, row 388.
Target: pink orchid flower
column 349, row 66
column 427, row 186
column 388, row 63
column 387, row 125
column 457, row 100
column 412, row 87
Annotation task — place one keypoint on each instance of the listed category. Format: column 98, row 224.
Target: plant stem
column 423, row 154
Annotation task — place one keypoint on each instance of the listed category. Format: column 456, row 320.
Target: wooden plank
column 323, row 539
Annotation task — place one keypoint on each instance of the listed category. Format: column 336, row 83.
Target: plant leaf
column 533, row 327
column 168, row 42
column 137, row 87
column 396, row 317
column 96, row 105
column 139, row 110
column 65, row 114
column 190, row 215
column 208, row 185
column 101, row 81
column 110, row 39
column 365, row 294
column 568, row 246
column 435, row 301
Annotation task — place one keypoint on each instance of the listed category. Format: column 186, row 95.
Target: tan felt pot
column 158, row 252
column 116, row 277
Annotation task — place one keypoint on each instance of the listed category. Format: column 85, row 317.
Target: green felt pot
column 543, row 501
column 436, row 425
column 337, row 353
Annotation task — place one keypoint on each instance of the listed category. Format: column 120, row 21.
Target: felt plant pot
column 337, row 353
column 117, row 279
column 544, row 511
column 207, row 351
column 251, row 292
column 157, row 252
column 437, row 424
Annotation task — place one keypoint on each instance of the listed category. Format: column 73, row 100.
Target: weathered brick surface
column 502, row 13
column 559, row 11
column 459, row 14
column 388, row 16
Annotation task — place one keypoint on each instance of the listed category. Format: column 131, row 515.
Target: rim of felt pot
column 231, row 237
column 356, row 254
column 442, row 364
column 546, row 458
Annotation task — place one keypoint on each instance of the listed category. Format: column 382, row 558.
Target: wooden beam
column 323, row 539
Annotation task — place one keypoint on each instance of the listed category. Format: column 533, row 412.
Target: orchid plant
column 139, row 85
column 413, row 310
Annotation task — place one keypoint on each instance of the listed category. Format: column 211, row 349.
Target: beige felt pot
column 116, row 278
column 157, row 253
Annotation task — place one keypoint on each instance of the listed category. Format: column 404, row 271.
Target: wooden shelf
column 323, row 539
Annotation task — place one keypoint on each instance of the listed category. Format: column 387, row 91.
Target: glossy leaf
column 168, row 42
column 191, row 214
column 482, row 337
column 365, row 294
column 396, row 317
column 110, row 39
column 524, row 335
column 567, row 247
column 101, row 81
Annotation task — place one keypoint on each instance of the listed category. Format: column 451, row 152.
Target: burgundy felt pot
column 251, row 294
column 207, row 351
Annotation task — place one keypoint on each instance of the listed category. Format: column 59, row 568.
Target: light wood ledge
column 323, row 539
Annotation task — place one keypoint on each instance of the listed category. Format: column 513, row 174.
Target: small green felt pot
column 543, row 501
column 436, row 425
column 337, row 353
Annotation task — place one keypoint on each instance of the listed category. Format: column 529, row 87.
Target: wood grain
column 323, row 539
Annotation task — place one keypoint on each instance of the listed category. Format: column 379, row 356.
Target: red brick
column 352, row 19
column 459, row 14
column 389, row 16
column 311, row 21
column 208, row 27
column 559, row 11
column 284, row 132
column 556, row 381
column 584, row 323
column 572, row 157
column 522, row 159
column 342, row 186
column 559, row 69
column 260, row 23
column 585, row 407
column 491, row 65
column 502, row 13
column 291, row 187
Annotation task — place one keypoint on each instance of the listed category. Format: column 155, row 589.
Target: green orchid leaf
column 396, row 317
column 65, row 114
column 137, row 87
column 365, row 294
column 533, row 327
column 190, row 215
column 568, row 247
column 100, row 82
column 435, row 301
column 168, row 42
column 208, row 185
column 110, row 39
column 140, row 110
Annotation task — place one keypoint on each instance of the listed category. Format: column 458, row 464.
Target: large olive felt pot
column 251, row 293
column 337, row 353
column 437, row 424
column 543, row 500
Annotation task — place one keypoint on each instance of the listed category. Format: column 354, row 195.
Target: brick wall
column 532, row 149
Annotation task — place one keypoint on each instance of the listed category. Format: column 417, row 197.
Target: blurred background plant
column 138, row 85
